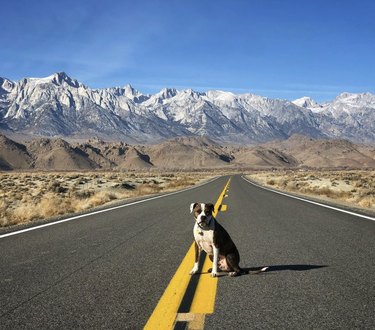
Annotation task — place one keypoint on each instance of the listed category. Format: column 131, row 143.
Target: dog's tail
column 254, row 272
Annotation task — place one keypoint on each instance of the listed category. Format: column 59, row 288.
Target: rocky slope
column 182, row 153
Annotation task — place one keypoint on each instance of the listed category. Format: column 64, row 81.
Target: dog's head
column 202, row 212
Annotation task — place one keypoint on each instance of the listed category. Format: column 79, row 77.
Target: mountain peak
column 58, row 78
column 354, row 101
column 167, row 93
column 306, row 102
column 355, row 96
column 54, row 105
column 134, row 95
column 130, row 92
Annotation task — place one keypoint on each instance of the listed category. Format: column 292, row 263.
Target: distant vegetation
column 26, row 197
column 354, row 188
column 30, row 196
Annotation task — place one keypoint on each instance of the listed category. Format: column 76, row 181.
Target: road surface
column 109, row 270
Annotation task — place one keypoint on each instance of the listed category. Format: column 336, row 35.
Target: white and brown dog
column 211, row 237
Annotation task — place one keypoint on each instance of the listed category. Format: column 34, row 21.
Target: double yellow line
column 166, row 314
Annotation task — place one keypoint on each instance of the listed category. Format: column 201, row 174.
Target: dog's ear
column 211, row 207
column 192, row 206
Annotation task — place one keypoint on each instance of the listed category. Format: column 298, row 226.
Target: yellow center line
column 165, row 314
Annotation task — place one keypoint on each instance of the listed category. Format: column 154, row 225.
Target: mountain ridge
column 182, row 153
column 58, row 105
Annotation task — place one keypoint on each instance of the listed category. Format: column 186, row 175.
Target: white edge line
column 102, row 211
column 311, row 202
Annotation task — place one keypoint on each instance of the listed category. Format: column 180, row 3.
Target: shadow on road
column 270, row 269
column 279, row 268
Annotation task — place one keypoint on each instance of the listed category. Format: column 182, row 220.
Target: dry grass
column 355, row 188
column 26, row 197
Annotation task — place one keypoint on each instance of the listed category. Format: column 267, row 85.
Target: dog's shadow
column 271, row 269
column 280, row 268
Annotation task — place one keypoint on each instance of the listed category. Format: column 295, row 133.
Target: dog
column 211, row 237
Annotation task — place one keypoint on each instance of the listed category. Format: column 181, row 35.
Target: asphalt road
column 109, row 270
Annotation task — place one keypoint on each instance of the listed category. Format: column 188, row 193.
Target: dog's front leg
column 197, row 255
column 215, row 261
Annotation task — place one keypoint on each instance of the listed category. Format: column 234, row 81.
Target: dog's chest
column 204, row 238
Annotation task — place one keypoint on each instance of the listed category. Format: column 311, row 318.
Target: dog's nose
column 203, row 218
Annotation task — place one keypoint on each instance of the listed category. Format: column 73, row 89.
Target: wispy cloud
column 319, row 92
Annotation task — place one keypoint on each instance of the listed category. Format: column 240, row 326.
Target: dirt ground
column 353, row 187
column 31, row 196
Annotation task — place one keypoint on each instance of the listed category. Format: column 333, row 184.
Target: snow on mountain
column 351, row 103
column 58, row 105
column 58, row 79
column 350, row 116
column 5, row 86
column 308, row 103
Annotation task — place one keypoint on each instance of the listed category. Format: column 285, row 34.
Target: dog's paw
column 232, row 274
column 213, row 274
column 193, row 271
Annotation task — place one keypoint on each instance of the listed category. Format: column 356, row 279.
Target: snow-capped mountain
column 308, row 103
column 61, row 106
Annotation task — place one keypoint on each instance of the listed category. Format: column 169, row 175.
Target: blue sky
column 281, row 49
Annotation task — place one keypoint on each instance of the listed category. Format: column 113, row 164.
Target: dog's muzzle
column 203, row 221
